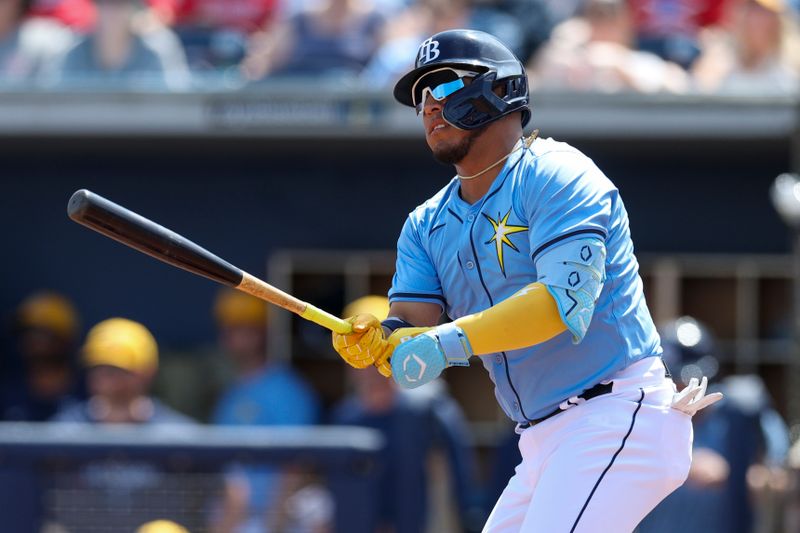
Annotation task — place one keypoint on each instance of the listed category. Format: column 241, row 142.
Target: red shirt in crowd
column 671, row 17
column 80, row 14
column 243, row 15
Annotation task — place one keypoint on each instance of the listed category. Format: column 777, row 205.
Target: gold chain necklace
column 526, row 143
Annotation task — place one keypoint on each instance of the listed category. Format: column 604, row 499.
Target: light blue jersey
column 467, row 258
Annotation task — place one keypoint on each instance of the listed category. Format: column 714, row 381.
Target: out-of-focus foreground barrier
column 91, row 479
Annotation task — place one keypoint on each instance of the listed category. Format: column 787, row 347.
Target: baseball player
column 528, row 248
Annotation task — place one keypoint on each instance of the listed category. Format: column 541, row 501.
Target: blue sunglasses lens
column 441, row 91
column 446, row 89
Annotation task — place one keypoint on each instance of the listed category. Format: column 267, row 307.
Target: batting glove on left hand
column 424, row 357
column 363, row 346
column 693, row 398
column 366, row 344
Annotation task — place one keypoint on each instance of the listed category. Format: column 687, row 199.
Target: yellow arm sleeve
column 528, row 317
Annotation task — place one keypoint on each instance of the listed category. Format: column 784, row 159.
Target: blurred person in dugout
column 42, row 376
column 596, row 52
column 129, row 47
column 161, row 526
column 266, row 392
column 28, row 44
column 739, row 451
column 121, row 358
column 428, row 483
column 754, row 51
column 330, row 38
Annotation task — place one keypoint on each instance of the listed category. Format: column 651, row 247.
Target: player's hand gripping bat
column 112, row 220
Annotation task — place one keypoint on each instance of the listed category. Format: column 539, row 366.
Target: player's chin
column 449, row 151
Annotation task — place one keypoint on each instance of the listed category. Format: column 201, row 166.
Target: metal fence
column 79, row 478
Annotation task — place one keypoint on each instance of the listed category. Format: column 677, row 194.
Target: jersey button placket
column 469, row 265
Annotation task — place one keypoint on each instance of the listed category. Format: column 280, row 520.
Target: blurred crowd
column 744, row 476
column 741, row 47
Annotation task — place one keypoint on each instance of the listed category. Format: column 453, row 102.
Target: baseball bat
column 140, row 233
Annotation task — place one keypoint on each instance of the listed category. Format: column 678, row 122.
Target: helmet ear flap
column 477, row 104
column 517, row 93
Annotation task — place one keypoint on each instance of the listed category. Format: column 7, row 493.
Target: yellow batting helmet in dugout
column 121, row 343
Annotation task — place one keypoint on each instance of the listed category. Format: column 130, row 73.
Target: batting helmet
column 690, row 350
column 476, row 104
column 49, row 311
column 121, row 343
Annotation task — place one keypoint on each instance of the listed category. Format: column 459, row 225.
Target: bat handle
column 261, row 289
column 326, row 320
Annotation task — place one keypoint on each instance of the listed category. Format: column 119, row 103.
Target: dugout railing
column 77, row 478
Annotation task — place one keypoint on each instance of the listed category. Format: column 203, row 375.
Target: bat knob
column 78, row 204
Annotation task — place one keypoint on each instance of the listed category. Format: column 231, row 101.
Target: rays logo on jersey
column 428, row 51
column 502, row 230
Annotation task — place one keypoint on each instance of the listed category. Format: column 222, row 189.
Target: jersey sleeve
column 570, row 214
column 415, row 278
column 569, row 198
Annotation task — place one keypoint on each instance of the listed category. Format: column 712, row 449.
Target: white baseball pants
column 601, row 466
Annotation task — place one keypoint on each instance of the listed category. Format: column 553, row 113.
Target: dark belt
column 588, row 394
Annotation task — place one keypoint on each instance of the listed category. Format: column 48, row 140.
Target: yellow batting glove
column 383, row 363
column 365, row 344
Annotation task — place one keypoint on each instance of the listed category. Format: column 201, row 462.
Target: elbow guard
column 574, row 274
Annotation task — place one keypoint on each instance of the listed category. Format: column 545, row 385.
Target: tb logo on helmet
column 428, row 51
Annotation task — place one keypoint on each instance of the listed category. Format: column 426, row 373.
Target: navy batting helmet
column 690, row 350
column 490, row 64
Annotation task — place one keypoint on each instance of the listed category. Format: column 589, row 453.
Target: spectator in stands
column 122, row 359
column 730, row 438
column 671, row 28
column 215, row 33
column 405, row 32
column 76, row 14
column 27, row 44
column 267, row 392
column 415, row 424
column 533, row 20
column 129, row 47
column 595, row 53
column 245, row 16
column 81, row 15
column 758, row 53
column 409, row 28
column 47, row 378
column 334, row 38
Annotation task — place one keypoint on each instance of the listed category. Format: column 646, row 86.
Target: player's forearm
column 416, row 314
column 528, row 317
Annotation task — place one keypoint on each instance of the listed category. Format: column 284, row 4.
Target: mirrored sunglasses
column 439, row 83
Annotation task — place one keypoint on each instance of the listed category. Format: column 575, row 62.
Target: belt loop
column 667, row 373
